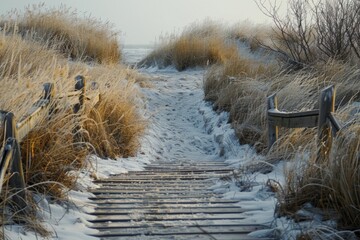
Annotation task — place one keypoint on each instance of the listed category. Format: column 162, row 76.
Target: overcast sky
column 143, row 21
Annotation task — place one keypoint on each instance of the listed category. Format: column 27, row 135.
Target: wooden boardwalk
column 169, row 201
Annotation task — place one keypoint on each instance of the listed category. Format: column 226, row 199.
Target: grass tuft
column 199, row 45
column 240, row 86
column 35, row 48
column 78, row 38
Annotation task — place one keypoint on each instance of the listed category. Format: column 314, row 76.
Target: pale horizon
column 142, row 22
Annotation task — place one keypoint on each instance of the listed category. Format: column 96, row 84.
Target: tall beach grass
column 240, row 83
column 329, row 185
column 78, row 38
column 199, row 45
column 34, row 51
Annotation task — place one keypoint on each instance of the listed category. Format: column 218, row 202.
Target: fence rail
column 323, row 119
column 14, row 133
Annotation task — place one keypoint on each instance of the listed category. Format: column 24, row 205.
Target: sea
column 132, row 54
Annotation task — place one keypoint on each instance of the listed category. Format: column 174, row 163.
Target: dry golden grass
column 86, row 39
column 26, row 65
column 50, row 152
column 62, row 141
column 256, row 35
column 61, row 144
column 343, row 176
column 331, row 185
column 115, row 125
column 241, row 87
column 199, row 45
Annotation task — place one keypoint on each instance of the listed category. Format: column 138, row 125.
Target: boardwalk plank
column 134, row 216
column 152, row 192
column 163, row 231
column 169, row 201
column 200, row 223
column 162, row 205
column 190, row 237
column 161, row 182
column 168, row 211
column 163, row 201
column 155, row 196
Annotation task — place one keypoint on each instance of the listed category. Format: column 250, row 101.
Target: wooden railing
column 14, row 133
column 323, row 119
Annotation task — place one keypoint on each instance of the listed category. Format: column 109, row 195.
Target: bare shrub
column 315, row 30
column 337, row 23
column 293, row 34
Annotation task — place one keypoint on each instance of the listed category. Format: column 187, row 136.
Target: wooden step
column 163, row 178
column 100, row 191
column 170, row 211
column 152, row 196
column 163, row 201
column 173, row 181
column 170, row 174
column 155, row 183
column 166, row 231
column 169, row 201
column 152, row 188
column 165, row 217
column 199, row 223
column 187, row 169
column 227, row 236
column 164, row 206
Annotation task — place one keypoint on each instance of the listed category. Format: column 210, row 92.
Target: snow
column 182, row 127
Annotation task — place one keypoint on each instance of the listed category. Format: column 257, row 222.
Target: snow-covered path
column 185, row 149
column 182, row 127
column 175, row 104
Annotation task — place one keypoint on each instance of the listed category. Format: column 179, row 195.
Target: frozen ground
column 182, row 126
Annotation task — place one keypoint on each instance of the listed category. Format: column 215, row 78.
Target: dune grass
column 239, row 82
column 198, row 45
column 77, row 38
column 62, row 142
column 331, row 185
column 240, row 86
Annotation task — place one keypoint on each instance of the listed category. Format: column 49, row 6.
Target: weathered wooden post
column 80, row 86
column 326, row 107
column 12, row 156
column 273, row 130
column 49, row 91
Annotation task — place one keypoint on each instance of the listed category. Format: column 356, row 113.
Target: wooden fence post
column 273, row 130
column 80, row 86
column 48, row 91
column 12, row 151
column 327, row 106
